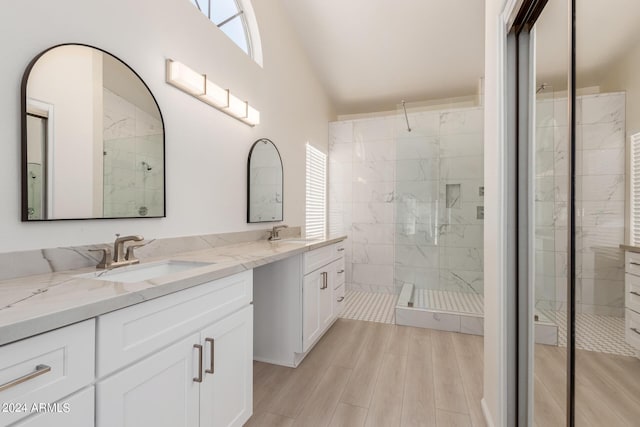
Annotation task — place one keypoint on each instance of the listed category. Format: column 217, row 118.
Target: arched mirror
column 92, row 138
column 264, row 182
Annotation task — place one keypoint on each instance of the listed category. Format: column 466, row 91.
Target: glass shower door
column 439, row 208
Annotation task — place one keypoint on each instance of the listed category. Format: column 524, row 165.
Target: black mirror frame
column 24, row 216
column 249, row 181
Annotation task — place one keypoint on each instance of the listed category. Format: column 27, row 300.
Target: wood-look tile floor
column 607, row 388
column 375, row 374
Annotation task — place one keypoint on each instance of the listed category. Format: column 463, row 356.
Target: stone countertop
column 35, row 304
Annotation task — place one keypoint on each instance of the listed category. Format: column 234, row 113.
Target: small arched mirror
column 92, row 138
column 264, row 182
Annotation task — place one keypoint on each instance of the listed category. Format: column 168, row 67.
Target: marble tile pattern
column 600, row 203
column 133, row 160
column 38, row 303
column 388, row 193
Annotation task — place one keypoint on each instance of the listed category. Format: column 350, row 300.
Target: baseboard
column 273, row 362
column 487, row 414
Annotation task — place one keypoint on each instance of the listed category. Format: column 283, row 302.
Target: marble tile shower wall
column 600, row 203
column 411, row 202
column 133, row 160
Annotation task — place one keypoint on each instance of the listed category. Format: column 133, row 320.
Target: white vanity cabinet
column 317, row 304
column 45, row 369
column 632, row 300
column 184, row 359
column 296, row 300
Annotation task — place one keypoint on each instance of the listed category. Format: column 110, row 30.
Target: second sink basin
column 142, row 272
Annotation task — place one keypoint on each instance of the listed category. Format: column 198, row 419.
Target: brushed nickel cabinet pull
column 634, row 263
column 213, row 350
column 198, row 379
column 634, row 293
column 340, row 249
column 40, row 370
column 340, row 299
column 635, row 330
column 341, row 271
column 324, row 280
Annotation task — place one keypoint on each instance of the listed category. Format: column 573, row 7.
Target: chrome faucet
column 120, row 258
column 274, row 232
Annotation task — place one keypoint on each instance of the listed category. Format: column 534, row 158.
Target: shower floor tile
column 604, row 334
column 370, row 306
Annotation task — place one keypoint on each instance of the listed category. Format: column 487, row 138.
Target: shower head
column 542, row 87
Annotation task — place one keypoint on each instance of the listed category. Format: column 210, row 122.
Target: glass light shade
column 253, row 116
column 185, row 78
column 237, row 107
column 215, row 95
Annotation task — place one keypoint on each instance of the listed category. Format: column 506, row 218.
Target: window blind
column 635, row 189
column 316, row 205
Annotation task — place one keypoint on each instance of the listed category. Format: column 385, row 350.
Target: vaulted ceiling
column 371, row 54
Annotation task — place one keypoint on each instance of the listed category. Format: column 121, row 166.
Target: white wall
column 206, row 150
column 494, row 286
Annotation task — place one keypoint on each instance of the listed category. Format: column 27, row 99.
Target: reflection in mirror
column 550, row 180
column 93, row 139
column 264, row 180
column 608, row 123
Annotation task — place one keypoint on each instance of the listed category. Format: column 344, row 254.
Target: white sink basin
column 142, row 272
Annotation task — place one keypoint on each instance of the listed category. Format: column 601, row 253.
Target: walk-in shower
column 439, row 213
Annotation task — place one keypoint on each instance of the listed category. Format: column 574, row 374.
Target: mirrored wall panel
column 264, row 182
column 92, row 139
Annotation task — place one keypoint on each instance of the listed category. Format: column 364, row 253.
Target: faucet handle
column 130, row 256
column 106, row 260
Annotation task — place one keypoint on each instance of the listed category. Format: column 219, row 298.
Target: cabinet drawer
column 132, row 333
column 632, row 292
column 76, row 410
column 317, row 258
column 632, row 263
column 340, row 272
column 632, row 328
column 50, row 365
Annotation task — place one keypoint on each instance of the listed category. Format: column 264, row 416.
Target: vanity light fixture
column 185, row 78
column 198, row 85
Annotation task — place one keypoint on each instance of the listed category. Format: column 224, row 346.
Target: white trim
column 255, row 42
column 40, row 107
column 486, row 413
column 501, row 235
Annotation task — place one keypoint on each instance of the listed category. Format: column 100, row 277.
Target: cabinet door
column 158, row 391
column 226, row 394
column 326, row 297
column 312, row 285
